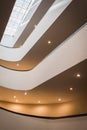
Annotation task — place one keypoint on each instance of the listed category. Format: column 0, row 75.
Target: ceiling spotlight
column 16, row 100
column 59, row 99
column 78, row 75
column 14, row 96
column 17, row 64
column 49, row 42
column 38, row 101
column 25, row 93
column 70, row 89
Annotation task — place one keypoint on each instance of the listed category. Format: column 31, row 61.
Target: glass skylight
column 20, row 12
column 17, row 15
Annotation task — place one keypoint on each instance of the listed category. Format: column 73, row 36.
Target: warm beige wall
column 51, row 110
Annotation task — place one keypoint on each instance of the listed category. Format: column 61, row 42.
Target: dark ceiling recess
column 6, row 7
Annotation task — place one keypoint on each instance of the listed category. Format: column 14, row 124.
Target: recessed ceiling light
column 78, row 75
column 59, row 99
column 14, row 96
column 71, row 89
column 16, row 100
column 49, row 42
column 38, row 101
column 25, row 93
column 17, row 64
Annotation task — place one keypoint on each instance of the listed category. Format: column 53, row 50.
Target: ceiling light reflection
column 64, row 109
column 41, row 110
column 16, row 107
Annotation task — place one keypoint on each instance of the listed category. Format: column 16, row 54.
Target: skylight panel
column 17, row 17
column 19, row 11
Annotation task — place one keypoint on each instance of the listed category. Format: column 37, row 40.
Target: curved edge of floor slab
column 44, row 117
column 54, row 111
